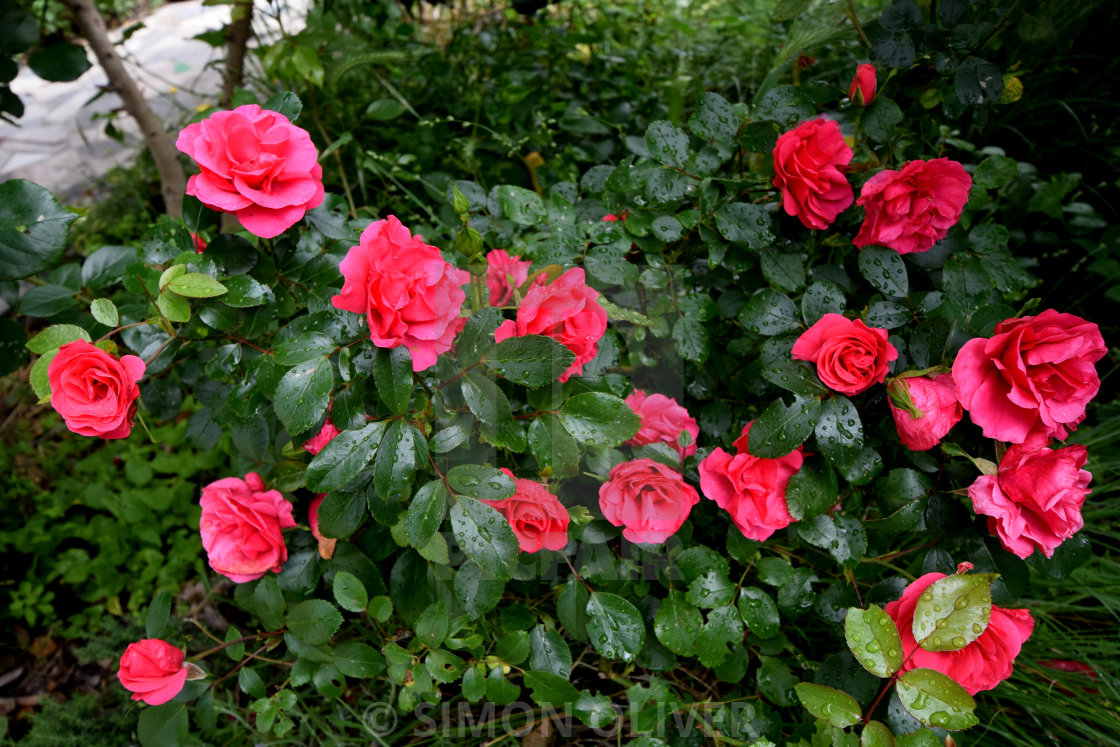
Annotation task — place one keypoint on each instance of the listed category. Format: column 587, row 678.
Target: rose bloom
column 326, row 544
column 751, row 489
column 199, row 243
column 912, row 209
column 663, row 420
column 505, row 274
column 1035, row 499
column 936, row 398
column 153, row 671
column 1034, row 372
column 255, row 164
column 94, row 392
column 649, row 500
column 410, row 295
column 982, row 664
column 537, row 517
column 241, row 527
column 862, row 90
column 849, row 355
column 325, row 435
column 809, row 163
column 568, row 311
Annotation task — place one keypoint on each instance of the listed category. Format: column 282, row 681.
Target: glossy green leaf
column 873, row 639
column 344, row 457
column 829, row 704
column 477, row 590
column 614, row 626
column 876, row 734
column 54, row 336
column 885, row 270
column 780, row 428
column 392, row 372
column 839, row 431
column 549, row 652
column 425, row 513
column 485, row 536
column 522, row 206
column 485, row 399
column 402, row 451
column 163, row 726
column 480, row 481
column 677, row 624
column 105, row 311
column 667, row 144
column 33, row 229
column 196, row 285
column 759, row 612
column 548, row 689
column 268, row 602
column 159, row 611
column 303, row 394
column 936, row 700
column 745, row 223
column 357, row 659
column 553, row 447
column 953, row 612
column 770, row 312
column 599, row 419
column 533, row 360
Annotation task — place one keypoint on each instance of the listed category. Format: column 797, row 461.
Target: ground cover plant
column 708, row 408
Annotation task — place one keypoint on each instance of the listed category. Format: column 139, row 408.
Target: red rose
column 982, row 664
column 537, row 517
column 809, row 163
column 751, row 489
column 94, row 392
column 325, row 435
column 199, row 243
column 568, row 311
column 862, row 90
column 410, row 295
column 326, row 544
column 911, row 210
column 935, row 398
column 241, row 527
column 663, row 420
column 153, row 671
column 255, row 164
column 504, row 274
column 1034, row 372
column 651, row 501
column 850, row 356
column 1035, row 499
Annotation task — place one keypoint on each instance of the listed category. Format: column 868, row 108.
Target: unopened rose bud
column 862, row 90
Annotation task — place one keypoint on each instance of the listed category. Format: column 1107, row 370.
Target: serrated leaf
column 599, row 419
column 677, row 624
column 759, row 612
column 402, row 451
column 876, row 734
column 532, row 360
column 885, row 270
column 614, row 626
column 745, row 223
column 54, row 336
column 549, row 652
column 357, row 659
column 953, row 612
column 303, row 394
column 158, row 613
column 425, row 513
column 485, row 536
column 936, row 700
column 522, row 206
column 839, row 431
column 196, row 285
column 781, row 429
column 723, row 627
column 349, row 592
column 553, row 447
column 485, row 399
column 667, row 144
column 33, row 229
column 392, row 373
column 105, row 311
column 314, row 621
column 477, row 590
column 480, row 481
column 783, row 270
column 770, row 312
column 548, row 689
column 873, row 639
column 163, row 726
column 827, row 703
column 344, row 457
column 268, row 602
column 714, row 119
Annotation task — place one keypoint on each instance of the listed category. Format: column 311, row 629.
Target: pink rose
column 809, row 163
column 94, row 392
column 1034, row 372
column 567, row 310
column 409, row 294
column 537, row 517
column 240, row 526
column 326, row 544
column 982, row 664
column 199, row 243
column 935, row 397
column 153, row 671
column 911, row 210
column 862, row 90
column 504, row 275
column 255, row 164
column 611, row 217
column 1035, row 499
column 751, row 489
column 663, row 420
column 850, row 356
column 325, row 435
column 651, row 501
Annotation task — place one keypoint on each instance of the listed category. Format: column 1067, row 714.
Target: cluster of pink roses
column 907, row 210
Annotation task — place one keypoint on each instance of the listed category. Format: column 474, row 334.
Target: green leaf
column 776, row 681
column 402, row 451
column 477, row 590
column 329, row 681
column 571, row 609
column 480, row 481
column 356, row 659
column 474, row 683
column 163, row 726
column 269, row 602
column 995, row 171
column 349, row 592
column 425, row 513
column 553, row 447
column 714, row 119
column 432, row 627
column 59, row 62
column 783, row 270
column 829, row 704
column 820, row 298
column 724, row 627
column 303, row 395
column 47, row 300
column 677, row 624
column 175, row 308
column 244, row 292
column 595, row 711
column 876, row 734
column 522, row 206
column 549, row 652
column 56, row 335
column 533, row 360
column 105, row 311
column 953, row 612
column 781, row 429
column 599, row 419
column 691, row 339
column 107, row 266
column 477, row 336
column 447, row 439
column 286, row 103
column 966, row 282
column 33, row 229
column 711, row 589
column 392, row 372
column 759, row 612
column 978, row 82
column 785, row 105
column 196, row 285
column 840, row 431
column 615, row 626
column 344, row 457
column 885, row 270
column 158, row 613
column 667, row 144
column 812, row 490
column 936, row 700
column 485, row 399
column 380, row 608
column 384, row 109
column 770, row 312
column 880, row 119
column 314, row 621
column 873, row 639
column 341, row 513
column 485, row 536
column 499, row 690
column 744, row 223
column 549, row 689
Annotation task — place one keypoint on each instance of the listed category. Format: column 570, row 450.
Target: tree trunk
column 172, row 180
column 240, row 29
